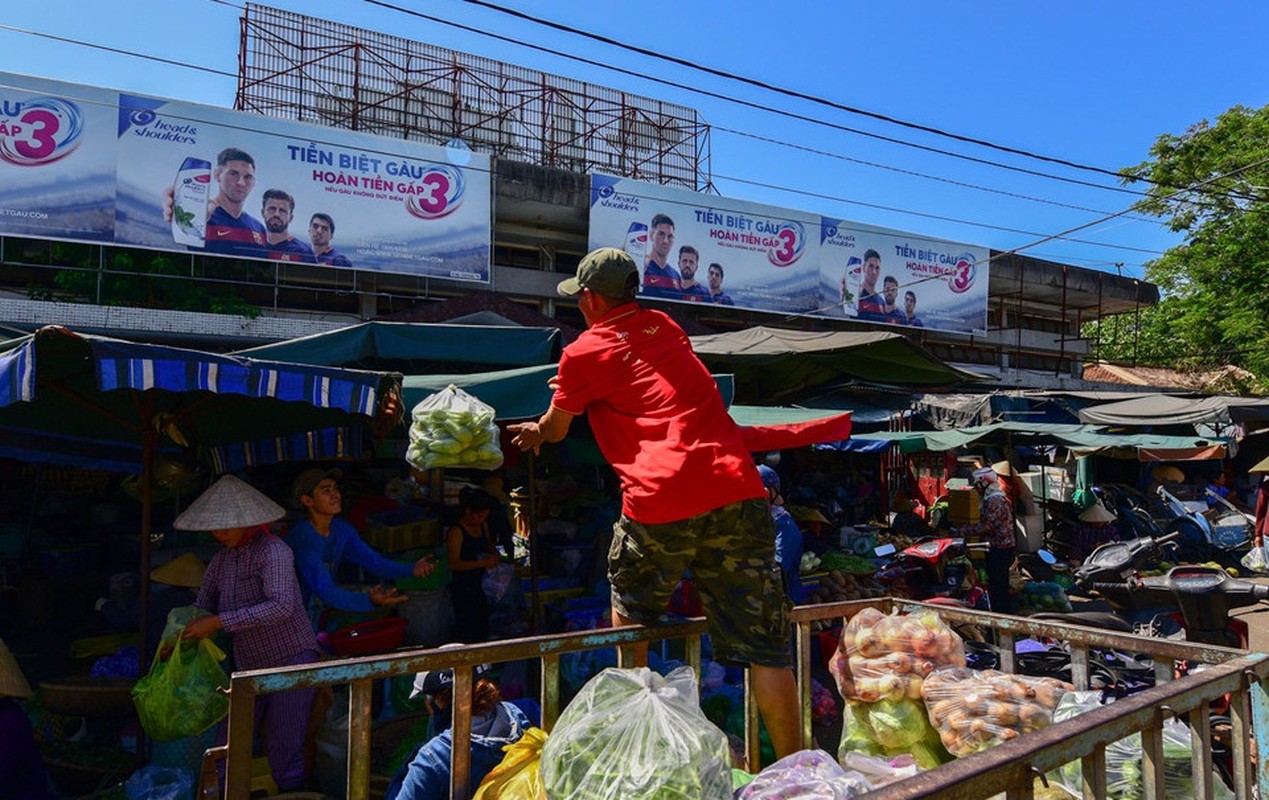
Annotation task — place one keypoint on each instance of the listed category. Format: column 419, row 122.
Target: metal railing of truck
column 1010, row 767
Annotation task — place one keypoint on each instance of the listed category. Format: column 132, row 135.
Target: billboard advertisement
column 895, row 278
column 88, row 164
column 695, row 248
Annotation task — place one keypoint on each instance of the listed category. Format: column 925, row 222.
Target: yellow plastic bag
column 519, row 775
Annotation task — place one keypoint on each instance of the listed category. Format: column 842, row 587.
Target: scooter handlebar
column 1261, row 591
column 1167, row 537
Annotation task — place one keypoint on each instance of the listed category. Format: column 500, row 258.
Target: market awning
column 1082, row 439
column 773, row 363
column 70, row 398
column 777, row 428
column 1164, row 409
column 418, row 348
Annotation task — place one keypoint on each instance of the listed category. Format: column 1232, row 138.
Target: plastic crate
column 390, row 536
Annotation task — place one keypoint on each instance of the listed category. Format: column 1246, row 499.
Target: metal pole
column 531, row 531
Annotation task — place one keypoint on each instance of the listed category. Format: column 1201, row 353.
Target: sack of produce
column 1256, row 559
column 1124, row 758
column 631, row 734
column 805, row 775
column 891, row 728
column 180, row 696
column 519, row 775
column 888, row 657
column 974, row 710
column 453, row 429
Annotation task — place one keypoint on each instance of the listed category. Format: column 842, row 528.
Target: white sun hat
column 229, row 503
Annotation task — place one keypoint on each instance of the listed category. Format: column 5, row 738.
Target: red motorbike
column 934, row 570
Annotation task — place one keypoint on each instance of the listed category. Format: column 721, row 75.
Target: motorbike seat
column 1102, row 620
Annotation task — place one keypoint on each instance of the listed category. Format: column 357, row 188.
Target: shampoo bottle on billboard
column 190, row 191
column 851, row 279
column 637, row 242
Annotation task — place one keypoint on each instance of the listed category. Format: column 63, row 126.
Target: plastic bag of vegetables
column 805, row 775
column 1124, row 758
column 453, row 429
column 891, row 728
column 631, row 734
column 973, row 710
column 884, row 657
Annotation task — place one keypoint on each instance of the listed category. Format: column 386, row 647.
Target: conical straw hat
column 1261, row 466
column 229, row 503
column 185, row 571
column 1096, row 513
column 1167, row 473
column 12, row 681
column 1002, row 468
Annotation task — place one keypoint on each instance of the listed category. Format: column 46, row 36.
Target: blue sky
column 1093, row 83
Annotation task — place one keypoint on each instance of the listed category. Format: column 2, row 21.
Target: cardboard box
column 963, row 506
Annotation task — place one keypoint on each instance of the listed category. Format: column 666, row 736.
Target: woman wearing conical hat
column 22, row 772
column 251, row 592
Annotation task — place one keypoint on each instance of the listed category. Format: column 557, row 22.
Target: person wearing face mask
column 998, row 529
column 495, row 723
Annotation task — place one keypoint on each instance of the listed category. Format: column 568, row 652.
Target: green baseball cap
column 606, row 271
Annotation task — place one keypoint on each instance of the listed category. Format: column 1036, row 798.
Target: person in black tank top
column 471, row 553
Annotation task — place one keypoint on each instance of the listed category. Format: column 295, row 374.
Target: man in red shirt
column 692, row 500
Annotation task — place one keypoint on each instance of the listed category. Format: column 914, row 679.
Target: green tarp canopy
column 418, row 348
column 773, row 363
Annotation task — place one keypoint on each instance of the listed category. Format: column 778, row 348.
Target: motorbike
column 935, row 570
column 1191, row 600
column 1220, row 534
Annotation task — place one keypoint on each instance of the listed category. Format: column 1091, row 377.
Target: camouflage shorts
column 730, row 553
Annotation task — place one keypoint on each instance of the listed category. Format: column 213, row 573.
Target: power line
column 915, row 174
column 120, row 51
column 748, row 103
column 816, row 99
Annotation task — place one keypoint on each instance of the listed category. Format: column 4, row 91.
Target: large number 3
column 790, row 239
column 435, row 201
column 41, row 131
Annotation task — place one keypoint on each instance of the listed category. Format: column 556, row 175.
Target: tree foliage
column 1210, row 184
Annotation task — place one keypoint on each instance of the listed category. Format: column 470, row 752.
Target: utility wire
column 748, row 103
column 120, row 51
column 816, row 99
column 913, row 173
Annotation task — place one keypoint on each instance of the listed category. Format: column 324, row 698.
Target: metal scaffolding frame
column 313, row 70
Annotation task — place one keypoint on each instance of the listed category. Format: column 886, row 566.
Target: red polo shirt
column 657, row 416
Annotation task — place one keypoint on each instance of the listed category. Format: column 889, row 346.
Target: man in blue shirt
column 230, row 231
column 910, row 317
column 693, row 291
column 871, row 306
column 321, row 229
column 788, row 542
column 279, row 209
column 322, row 541
column 716, row 293
column 659, row 278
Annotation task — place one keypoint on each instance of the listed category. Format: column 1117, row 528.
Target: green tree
column 1210, row 184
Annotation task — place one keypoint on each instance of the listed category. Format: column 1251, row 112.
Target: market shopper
column 472, row 553
column 788, row 541
column 998, row 529
column 322, row 542
column 1095, row 527
column 692, row 500
column 172, row 585
column 22, row 775
column 251, row 592
column 495, row 723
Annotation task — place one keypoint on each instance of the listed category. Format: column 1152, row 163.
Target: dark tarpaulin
column 772, row 364
column 1162, row 410
column 415, row 348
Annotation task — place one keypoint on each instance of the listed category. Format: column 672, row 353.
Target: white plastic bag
column 453, row 429
column 805, row 775
column 632, row 735
column 1124, row 758
column 1256, row 559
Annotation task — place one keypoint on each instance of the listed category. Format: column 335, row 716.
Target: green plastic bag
column 181, row 696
